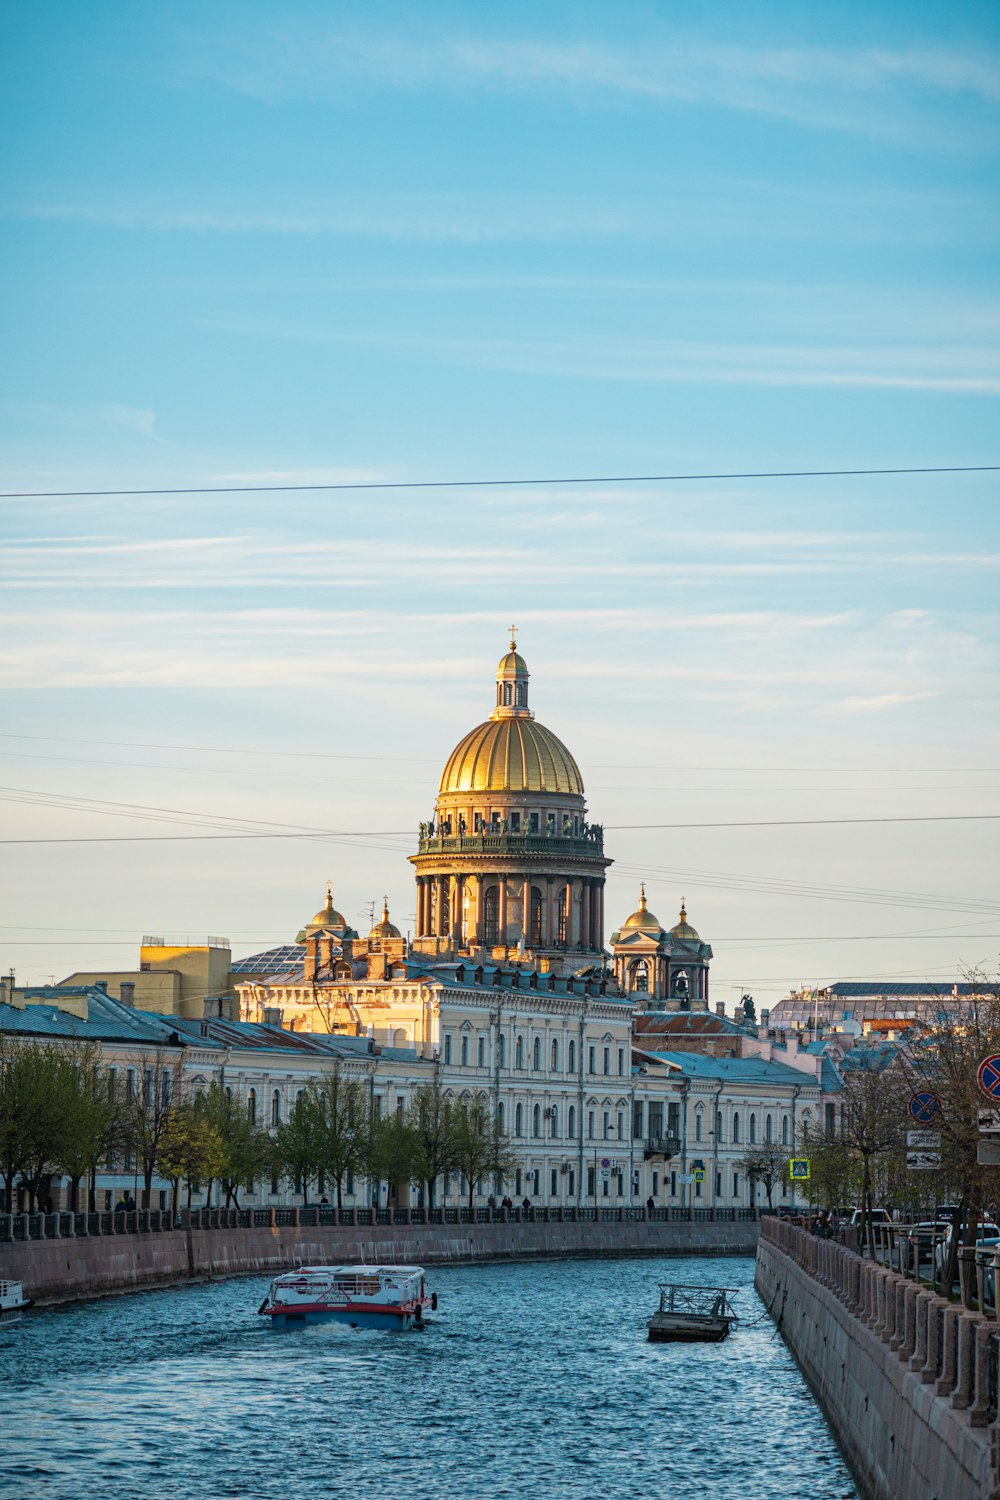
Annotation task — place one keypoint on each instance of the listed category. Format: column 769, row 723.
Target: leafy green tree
column 191, row 1150
column 247, row 1152
column 431, row 1122
column 390, row 1149
column 338, row 1107
column 297, row 1143
column 95, row 1119
column 147, row 1112
column 479, row 1145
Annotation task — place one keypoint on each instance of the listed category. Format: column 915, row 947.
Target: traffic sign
column 988, row 1121
column 988, row 1076
column 923, row 1161
column 925, row 1107
column 605, row 1162
column 923, row 1140
column 798, row 1168
column 698, row 1175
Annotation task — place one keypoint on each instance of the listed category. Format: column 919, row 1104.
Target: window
column 591, row 1182
column 464, row 1053
column 656, row 1118
column 447, row 1047
column 480, row 1052
column 656, row 1183
column 536, row 1120
column 555, row 1182
column 491, row 915
column 591, row 1059
column 519, row 1052
column 621, row 1062
column 736, row 1184
column 554, row 1059
column 673, row 1184
column 753, row 1130
column 274, row 1184
column 718, row 1124
column 571, row 1057
column 500, row 1116
column 535, row 919
column 736, row 1129
column 400, row 1106
column 555, row 1123
column 590, row 1124
column 697, row 1189
column 718, row 1184
column 252, row 1109
column 637, row 1119
column 533, row 822
column 640, row 978
column 607, row 1061
column 769, row 1129
column 606, row 1123
column 621, row 1126
column 519, row 1120
column 515, row 822
column 784, row 1127
column 571, row 1122
column 501, row 1050
column 275, row 1114
column 536, row 1054
column 698, row 1124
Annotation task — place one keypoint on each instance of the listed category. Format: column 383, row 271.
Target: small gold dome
column 643, row 919
column 385, row 928
column 515, row 754
column 512, row 665
column 328, row 916
column 683, row 928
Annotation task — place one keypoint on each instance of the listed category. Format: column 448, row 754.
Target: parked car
column 923, row 1238
column 988, row 1234
column 874, row 1216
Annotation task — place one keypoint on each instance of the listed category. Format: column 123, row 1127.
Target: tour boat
column 363, row 1296
column 13, row 1302
column 692, row 1313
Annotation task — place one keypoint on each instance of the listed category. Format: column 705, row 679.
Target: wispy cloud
column 849, row 708
column 138, row 419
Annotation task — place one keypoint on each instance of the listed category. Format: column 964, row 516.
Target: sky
column 364, row 245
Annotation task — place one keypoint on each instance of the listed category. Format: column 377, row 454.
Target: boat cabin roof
column 356, row 1271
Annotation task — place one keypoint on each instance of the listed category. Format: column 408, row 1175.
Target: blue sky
column 324, row 243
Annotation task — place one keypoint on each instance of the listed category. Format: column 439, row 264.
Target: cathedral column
column 567, row 903
column 442, row 911
column 526, row 909
column 550, row 934
column 585, row 912
column 456, row 926
column 420, row 906
column 480, row 904
column 502, row 912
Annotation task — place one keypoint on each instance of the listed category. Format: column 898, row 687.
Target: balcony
column 661, row 1145
column 589, row 845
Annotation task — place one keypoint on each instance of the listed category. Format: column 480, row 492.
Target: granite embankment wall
column 906, row 1379
column 73, row 1267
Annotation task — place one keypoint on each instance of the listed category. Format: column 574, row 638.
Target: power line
column 460, row 484
column 814, row 822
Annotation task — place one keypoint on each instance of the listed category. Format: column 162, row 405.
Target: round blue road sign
column 989, row 1076
column 925, row 1107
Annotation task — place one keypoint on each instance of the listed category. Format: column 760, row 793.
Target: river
column 535, row 1380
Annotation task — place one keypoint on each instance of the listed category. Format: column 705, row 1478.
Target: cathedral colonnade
column 493, row 908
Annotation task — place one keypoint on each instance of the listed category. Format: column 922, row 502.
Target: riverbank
column 71, row 1268
column 903, row 1377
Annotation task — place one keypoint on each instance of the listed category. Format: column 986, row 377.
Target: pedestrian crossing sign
column 798, row 1169
column 698, row 1174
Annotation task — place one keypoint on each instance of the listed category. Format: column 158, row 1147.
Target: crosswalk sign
column 798, row 1169
column 698, row 1174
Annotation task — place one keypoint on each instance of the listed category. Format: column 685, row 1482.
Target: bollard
column 949, row 1354
column 906, row 1339
column 979, row 1412
column 929, row 1372
column 921, row 1322
column 965, row 1375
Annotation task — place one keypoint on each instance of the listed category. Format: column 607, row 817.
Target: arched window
column 736, row 1130
column 229, row 1094
column 491, row 915
column 500, row 1116
column 464, row 1052
column 536, row 1054
column 806, row 1124
column 536, row 1120
column 718, row 1124
column 555, row 1055
column 698, row 1117
column 252, row 1106
column 519, row 1052
column 535, row 922
column 784, row 1130
column 555, row 1122
column 640, row 977
column 753, row 1130
column 768, row 1128
column 276, row 1110
column 571, row 1122
column 519, row 1120
column 571, row 1056
column 502, row 1050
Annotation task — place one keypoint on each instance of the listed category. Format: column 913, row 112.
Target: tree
column 297, row 1144
column 191, row 1149
column 339, row 1109
column 872, row 1117
column 430, row 1120
column 391, row 1149
column 147, row 1112
column 95, row 1119
column 766, row 1164
column 246, row 1152
column 479, row 1145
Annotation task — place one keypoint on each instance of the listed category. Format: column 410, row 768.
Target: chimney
column 126, row 992
column 273, row 1016
column 763, row 1018
column 720, row 1008
column 102, row 985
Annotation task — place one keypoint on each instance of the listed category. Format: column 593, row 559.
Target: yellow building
column 185, row 979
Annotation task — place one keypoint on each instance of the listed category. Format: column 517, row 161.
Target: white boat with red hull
column 362, row 1296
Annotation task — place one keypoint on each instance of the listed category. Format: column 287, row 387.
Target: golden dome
column 683, row 928
column 513, row 664
column 385, row 929
column 643, row 919
column 329, row 916
column 511, row 754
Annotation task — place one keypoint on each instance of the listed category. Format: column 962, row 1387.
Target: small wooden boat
column 692, row 1313
column 361, row 1296
column 13, row 1302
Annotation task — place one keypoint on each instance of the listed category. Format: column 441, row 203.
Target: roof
column 746, row 1070
column 514, row 754
column 272, row 960
column 107, row 1020
column 263, row 1037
